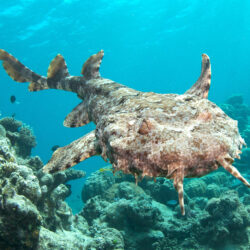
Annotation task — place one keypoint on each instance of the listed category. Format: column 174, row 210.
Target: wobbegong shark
column 141, row 133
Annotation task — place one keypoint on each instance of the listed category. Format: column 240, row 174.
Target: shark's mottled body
column 145, row 134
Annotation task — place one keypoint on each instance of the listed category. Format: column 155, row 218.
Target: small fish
column 235, row 183
column 105, row 169
column 12, row 99
column 172, row 203
column 55, row 147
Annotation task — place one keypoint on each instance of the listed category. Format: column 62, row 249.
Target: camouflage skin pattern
column 144, row 134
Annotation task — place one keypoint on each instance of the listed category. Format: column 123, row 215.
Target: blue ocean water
column 149, row 45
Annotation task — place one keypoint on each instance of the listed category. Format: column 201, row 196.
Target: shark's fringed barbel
column 144, row 134
column 77, row 117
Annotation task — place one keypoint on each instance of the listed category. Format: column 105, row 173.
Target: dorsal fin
column 77, row 117
column 57, row 68
column 90, row 68
column 201, row 87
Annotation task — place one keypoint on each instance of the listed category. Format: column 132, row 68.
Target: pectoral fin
column 201, row 87
column 77, row 117
column 77, row 151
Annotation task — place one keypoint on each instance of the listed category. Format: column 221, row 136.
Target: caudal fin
column 20, row 73
column 57, row 71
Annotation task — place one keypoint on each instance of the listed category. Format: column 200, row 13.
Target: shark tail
column 57, row 77
column 19, row 72
column 57, row 71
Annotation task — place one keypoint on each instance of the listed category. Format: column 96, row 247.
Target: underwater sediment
column 118, row 214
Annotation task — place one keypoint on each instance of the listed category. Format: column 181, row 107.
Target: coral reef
column 226, row 219
column 236, row 109
column 218, row 206
column 20, row 136
column 239, row 111
column 147, row 223
column 117, row 213
column 33, row 214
